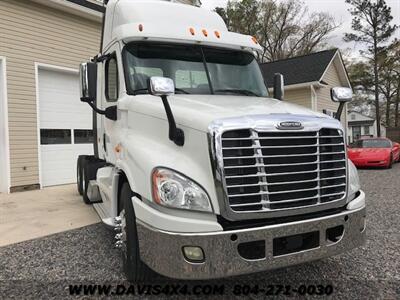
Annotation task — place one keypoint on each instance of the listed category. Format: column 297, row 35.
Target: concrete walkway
column 28, row 215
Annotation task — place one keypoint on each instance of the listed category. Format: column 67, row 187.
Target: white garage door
column 65, row 126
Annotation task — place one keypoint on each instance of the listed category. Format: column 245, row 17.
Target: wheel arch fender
column 124, row 175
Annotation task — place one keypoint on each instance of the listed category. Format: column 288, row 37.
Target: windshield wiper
column 238, row 91
column 141, row 91
column 146, row 91
column 181, row 91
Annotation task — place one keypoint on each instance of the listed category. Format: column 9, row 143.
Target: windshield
column 373, row 143
column 194, row 69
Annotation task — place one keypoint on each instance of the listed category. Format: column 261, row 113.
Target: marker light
column 205, row 32
column 254, row 40
column 140, row 27
column 191, row 30
column 217, row 34
column 118, row 148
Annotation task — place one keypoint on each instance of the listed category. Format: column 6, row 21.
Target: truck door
column 110, row 95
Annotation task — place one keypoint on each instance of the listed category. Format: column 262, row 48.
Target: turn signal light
column 118, row 148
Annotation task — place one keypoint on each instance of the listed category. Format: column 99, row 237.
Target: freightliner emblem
column 290, row 125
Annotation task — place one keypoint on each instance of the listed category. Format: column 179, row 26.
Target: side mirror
column 88, row 81
column 341, row 94
column 396, row 145
column 161, row 86
column 278, row 86
column 88, row 87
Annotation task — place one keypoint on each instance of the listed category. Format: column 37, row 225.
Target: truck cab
column 202, row 173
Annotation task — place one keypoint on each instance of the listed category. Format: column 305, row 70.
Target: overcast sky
column 338, row 9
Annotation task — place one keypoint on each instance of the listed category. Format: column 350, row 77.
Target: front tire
column 135, row 270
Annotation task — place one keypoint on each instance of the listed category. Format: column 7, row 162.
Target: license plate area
column 295, row 243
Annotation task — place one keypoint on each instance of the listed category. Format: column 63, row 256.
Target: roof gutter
column 315, row 84
column 74, row 8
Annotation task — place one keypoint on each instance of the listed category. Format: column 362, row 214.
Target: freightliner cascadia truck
column 201, row 173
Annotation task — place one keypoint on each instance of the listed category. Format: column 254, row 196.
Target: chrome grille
column 283, row 170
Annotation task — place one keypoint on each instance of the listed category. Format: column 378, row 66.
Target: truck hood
column 198, row 111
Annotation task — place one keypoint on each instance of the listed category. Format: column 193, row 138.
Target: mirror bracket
column 340, row 110
column 110, row 112
column 279, row 86
column 175, row 134
column 101, row 57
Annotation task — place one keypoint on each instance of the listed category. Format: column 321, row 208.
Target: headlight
column 172, row 189
column 354, row 180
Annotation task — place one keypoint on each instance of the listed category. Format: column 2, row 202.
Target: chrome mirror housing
column 88, row 81
column 341, row 94
column 161, row 86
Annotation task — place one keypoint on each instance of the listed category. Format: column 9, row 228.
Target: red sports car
column 374, row 152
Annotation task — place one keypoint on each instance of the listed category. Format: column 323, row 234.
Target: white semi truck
column 201, row 173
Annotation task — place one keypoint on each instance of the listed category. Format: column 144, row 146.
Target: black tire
column 89, row 171
column 79, row 166
column 135, row 270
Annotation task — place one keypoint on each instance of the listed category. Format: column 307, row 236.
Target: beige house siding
column 31, row 33
column 301, row 96
column 324, row 101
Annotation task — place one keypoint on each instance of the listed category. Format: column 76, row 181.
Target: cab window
column 111, row 76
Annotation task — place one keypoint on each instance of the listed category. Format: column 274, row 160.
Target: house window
column 352, row 116
column 356, row 132
column 329, row 113
column 366, row 130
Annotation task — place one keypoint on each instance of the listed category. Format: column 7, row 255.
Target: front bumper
column 162, row 250
column 371, row 162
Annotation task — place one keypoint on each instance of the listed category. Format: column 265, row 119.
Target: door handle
column 105, row 142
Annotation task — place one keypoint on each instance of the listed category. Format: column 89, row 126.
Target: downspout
column 103, row 25
column 94, row 114
column 314, row 97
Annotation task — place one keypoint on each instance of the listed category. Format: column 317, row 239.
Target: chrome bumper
column 162, row 251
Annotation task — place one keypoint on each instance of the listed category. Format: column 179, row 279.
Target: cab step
column 93, row 192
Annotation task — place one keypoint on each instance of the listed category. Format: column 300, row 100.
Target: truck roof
column 156, row 20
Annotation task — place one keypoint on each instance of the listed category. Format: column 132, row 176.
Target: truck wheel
column 79, row 167
column 135, row 270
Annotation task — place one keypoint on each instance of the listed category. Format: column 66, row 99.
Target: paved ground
column 33, row 214
column 45, row 267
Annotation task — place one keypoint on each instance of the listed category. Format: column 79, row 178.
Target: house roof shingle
column 300, row 69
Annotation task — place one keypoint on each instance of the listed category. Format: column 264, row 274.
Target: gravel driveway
column 43, row 268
